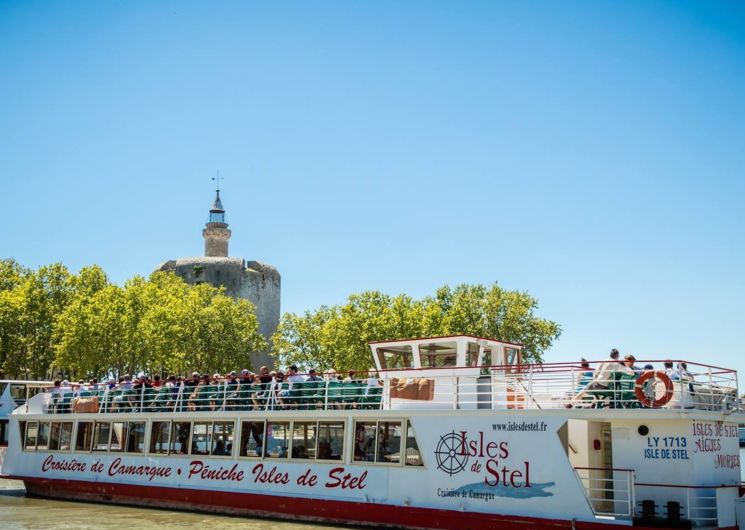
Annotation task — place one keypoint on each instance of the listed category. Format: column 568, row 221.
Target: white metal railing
column 609, row 491
column 547, row 386
column 697, row 504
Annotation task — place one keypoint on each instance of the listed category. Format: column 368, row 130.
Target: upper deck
column 440, row 373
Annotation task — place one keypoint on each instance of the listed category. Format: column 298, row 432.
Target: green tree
column 337, row 336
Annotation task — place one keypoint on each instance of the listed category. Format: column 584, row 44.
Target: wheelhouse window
column 32, row 431
column 252, row 438
column 101, row 434
column 394, row 357
column 159, row 434
column 472, row 354
column 511, row 356
column 438, row 354
column 278, row 438
column 84, row 436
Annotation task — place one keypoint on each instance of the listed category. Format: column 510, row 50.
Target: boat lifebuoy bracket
column 648, row 401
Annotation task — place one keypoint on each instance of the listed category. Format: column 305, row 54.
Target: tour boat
column 447, row 432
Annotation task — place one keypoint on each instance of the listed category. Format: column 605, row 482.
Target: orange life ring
column 648, row 402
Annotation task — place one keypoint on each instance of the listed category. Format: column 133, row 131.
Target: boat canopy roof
column 452, row 351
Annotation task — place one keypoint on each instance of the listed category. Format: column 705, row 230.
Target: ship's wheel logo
column 450, row 454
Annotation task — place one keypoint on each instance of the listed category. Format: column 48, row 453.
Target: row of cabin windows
column 374, row 441
column 442, row 356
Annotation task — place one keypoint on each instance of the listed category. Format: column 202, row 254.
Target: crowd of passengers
column 600, row 380
column 203, row 391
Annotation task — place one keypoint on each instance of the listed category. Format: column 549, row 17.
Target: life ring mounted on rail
column 648, row 401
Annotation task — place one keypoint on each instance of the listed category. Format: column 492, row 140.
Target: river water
column 18, row 512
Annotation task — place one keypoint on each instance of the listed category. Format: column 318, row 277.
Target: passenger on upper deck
column 126, row 384
column 193, row 382
column 684, row 373
column 602, row 378
column 313, row 376
column 673, row 374
column 292, row 378
column 629, row 361
column 350, row 377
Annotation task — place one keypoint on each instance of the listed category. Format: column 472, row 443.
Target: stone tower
column 254, row 281
column 216, row 232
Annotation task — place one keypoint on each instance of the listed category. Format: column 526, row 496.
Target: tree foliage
column 337, row 337
column 84, row 326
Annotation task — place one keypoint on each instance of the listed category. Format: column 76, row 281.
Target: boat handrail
column 699, row 387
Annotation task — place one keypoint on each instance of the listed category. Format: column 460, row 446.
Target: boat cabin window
column 438, row 354
column 395, row 357
column 60, row 435
column 119, row 436
column 32, row 429
column 101, row 434
column 278, row 439
column 84, row 436
column 377, row 441
column 330, row 440
column 3, row 433
column 180, row 435
column 136, row 437
column 222, row 438
column 159, row 434
column 304, row 440
column 201, row 437
column 42, row 438
column 252, row 434
column 413, row 456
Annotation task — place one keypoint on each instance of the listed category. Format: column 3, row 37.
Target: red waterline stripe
column 297, row 508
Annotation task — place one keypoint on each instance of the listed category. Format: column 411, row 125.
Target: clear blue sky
column 591, row 153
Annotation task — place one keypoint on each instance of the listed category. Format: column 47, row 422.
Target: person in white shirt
column 292, row 378
column 603, row 377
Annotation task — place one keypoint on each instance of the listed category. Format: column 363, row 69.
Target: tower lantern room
column 216, row 232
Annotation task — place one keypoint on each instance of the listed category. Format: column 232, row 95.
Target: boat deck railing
column 546, row 386
column 615, row 493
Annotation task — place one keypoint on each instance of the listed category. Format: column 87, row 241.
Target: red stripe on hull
column 292, row 508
